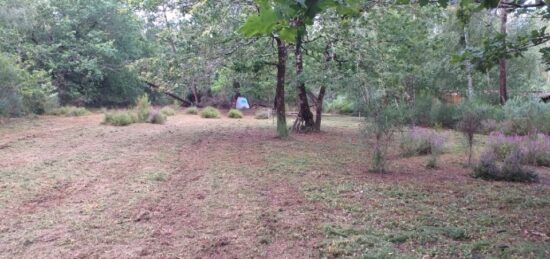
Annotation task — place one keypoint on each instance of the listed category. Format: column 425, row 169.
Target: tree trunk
column 282, row 130
column 503, row 91
column 304, row 114
column 319, row 108
column 468, row 67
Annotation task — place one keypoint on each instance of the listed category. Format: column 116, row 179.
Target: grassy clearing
column 139, row 191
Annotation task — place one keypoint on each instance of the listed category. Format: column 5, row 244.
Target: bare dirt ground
column 222, row 188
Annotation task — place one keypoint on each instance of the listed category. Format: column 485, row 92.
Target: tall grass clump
column 168, row 111
column 120, row 118
column 192, row 110
column 69, row 111
column 235, row 114
column 143, row 108
column 210, row 113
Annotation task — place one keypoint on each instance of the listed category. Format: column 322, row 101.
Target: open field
column 199, row 188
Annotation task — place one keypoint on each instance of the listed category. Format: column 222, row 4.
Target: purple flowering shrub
column 422, row 141
column 534, row 149
column 511, row 170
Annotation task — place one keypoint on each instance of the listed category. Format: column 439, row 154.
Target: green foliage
column 382, row 121
column 341, row 105
column 167, row 111
column 192, row 110
column 446, row 115
column 235, row 114
column 120, row 118
column 143, row 108
column 21, row 91
column 210, row 113
column 70, row 111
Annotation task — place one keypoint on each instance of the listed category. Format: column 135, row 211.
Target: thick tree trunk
column 282, row 129
column 304, row 114
column 319, row 108
column 503, row 91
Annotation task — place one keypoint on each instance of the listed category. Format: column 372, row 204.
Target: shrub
column 70, row 111
column 342, row 105
column 469, row 124
column 527, row 116
column 143, row 108
column 120, row 118
column 210, row 113
column 421, row 141
column 235, row 114
column 535, row 149
column 168, row 111
column 511, row 170
column 192, row 110
column 487, row 168
column 421, row 111
column 263, row 114
column 156, row 117
column 382, row 122
column 444, row 114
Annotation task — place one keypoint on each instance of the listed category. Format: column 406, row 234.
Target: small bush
column 69, row 111
column 263, row 114
column 511, row 170
column 341, row 105
column 535, row 149
column 444, row 114
column 143, row 108
column 192, row 110
column 156, row 117
column 469, row 125
column 210, row 113
column 235, row 114
column 421, row 141
column 168, row 111
column 120, row 118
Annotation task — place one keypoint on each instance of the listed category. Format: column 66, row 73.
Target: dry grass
column 70, row 187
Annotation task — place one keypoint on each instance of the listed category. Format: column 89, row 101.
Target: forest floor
column 199, row 188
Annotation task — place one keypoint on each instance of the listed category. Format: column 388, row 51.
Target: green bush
column 262, row 114
column 341, row 105
column 443, row 114
column 168, row 111
column 120, row 118
column 421, row 111
column 210, row 113
column 526, row 116
column 192, row 110
column 235, row 114
column 69, row 111
column 156, row 118
column 143, row 108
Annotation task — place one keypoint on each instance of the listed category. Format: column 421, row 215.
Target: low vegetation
column 210, row 113
column 69, row 111
column 192, row 110
column 120, row 118
column 262, row 114
column 235, row 114
column 168, row 111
